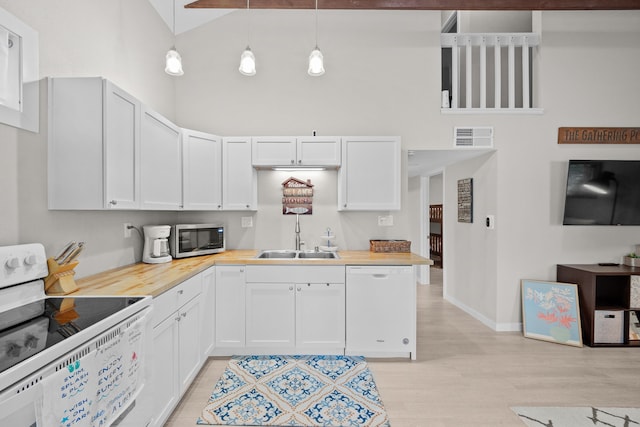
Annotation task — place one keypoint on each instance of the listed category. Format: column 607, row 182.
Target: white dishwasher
column 381, row 311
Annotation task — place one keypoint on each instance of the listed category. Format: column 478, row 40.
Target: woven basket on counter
column 389, row 245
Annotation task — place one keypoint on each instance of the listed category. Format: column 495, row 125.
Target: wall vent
column 475, row 137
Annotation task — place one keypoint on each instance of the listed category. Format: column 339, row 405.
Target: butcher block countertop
column 154, row 279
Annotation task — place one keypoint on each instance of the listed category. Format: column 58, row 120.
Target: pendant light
column 247, row 59
column 316, row 60
column 173, row 61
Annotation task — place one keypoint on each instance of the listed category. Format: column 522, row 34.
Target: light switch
column 490, row 222
column 247, row 222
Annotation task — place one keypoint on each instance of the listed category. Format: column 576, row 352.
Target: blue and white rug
column 295, row 391
column 555, row 416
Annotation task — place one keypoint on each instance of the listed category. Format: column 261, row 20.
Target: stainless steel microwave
column 196, row 239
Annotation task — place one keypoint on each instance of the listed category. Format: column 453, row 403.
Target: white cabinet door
column 121, row 148
column 239, row 178
column 160, row 162
column 93, row 145
column 189, row 342
column 273, row 151
column 381, row 310
column 202, row 171
column 230, row 306
column 207, row 310
column 319, row 151
column 164, row 383
column 269, row 151
column 320, row 315
column 270, row 315
column 370, row 176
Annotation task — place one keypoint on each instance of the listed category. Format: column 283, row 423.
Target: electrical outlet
column 247, row 222
column 127, row 230
column 385, row 221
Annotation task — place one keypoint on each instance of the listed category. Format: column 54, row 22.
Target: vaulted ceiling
column 184, row 15
column 422, row 4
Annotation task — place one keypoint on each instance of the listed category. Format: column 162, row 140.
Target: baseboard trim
column 498, row 327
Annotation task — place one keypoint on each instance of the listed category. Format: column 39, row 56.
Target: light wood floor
column 468, row 375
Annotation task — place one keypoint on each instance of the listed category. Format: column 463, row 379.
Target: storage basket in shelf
column 390, row 245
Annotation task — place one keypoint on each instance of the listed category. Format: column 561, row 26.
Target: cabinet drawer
column 295, row 274
column 171, row 300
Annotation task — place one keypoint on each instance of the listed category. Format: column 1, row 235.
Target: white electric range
column 43, row 339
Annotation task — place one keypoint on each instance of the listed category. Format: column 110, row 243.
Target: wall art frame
column 551, row 312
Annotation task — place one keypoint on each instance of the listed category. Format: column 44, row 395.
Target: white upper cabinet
column 121, row 148
column 239, row 178
column 273, row 151
column 160, row 163
column 319, row 151
column 93, row 145
column 370, row 176
column 201, row 171
column 296, row 151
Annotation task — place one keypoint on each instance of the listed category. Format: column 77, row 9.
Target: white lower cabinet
column 271, row 315
column 176, row 345
column 229, row 307
column 320, row 316
column 208, row 299
column 285, row 309
column 381, row 311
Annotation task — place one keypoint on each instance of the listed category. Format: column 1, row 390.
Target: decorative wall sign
column 297, row 197
column 465, row 200
column 598, row 135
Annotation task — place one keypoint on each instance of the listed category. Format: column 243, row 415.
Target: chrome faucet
column 297, row 232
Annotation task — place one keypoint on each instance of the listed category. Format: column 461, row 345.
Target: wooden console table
column 605, row 301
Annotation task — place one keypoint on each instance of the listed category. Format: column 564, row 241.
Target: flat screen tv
column 603, row 192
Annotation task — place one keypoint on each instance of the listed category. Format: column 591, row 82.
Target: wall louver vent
column 475, row 137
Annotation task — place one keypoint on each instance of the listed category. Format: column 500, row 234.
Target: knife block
column 60, row 280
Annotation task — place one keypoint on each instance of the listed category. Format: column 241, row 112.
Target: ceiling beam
column 422, row 4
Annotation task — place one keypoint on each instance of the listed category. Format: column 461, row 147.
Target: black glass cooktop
column 34, row 327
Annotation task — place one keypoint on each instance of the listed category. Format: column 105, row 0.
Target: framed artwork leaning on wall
column 551, row 312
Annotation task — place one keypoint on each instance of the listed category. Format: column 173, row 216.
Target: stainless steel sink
column 318, row 255
column 291, row 254
column 277, row 254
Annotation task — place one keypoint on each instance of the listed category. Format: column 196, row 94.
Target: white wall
column 470, row 249
column 435, row 189
column 122, row 40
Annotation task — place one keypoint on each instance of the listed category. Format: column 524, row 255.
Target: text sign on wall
column 465, row 200
column 598, row 135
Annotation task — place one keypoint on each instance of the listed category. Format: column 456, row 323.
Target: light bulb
column 247, row 63
column 173, row 63
column 316, row 63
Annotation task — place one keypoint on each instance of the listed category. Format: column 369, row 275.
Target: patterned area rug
column 295, row 391
column 578, row 416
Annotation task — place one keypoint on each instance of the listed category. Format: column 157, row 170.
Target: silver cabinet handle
column 181, row 291
column 113, row 202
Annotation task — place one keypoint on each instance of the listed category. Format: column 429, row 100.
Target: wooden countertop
column 154, row 279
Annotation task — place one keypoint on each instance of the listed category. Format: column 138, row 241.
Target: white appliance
column 381, row 311
column 156, row 244
column 45, row 341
